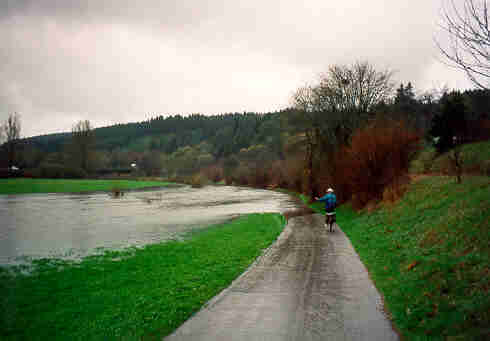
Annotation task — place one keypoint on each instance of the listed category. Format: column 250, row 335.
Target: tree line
column 353, row 122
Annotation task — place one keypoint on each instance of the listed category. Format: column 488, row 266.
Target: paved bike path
column 309, row 285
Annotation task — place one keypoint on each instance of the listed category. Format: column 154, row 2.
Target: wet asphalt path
column 309, row 285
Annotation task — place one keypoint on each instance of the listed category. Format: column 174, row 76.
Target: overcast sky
column 125, row 61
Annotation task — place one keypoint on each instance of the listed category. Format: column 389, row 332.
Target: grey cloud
column 148, row 12
column 118, row 61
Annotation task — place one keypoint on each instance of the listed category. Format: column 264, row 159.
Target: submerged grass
column 26, row 185
column 130, row 295
column 429, row 255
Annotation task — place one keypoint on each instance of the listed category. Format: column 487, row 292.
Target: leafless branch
column 469, row 39
column 11, row 134
column 11, row 128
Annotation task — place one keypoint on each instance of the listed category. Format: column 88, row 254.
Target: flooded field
column 76, row 225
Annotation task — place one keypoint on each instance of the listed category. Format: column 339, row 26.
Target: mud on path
column 309, row 285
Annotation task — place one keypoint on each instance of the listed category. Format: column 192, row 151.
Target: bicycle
column 330, row 218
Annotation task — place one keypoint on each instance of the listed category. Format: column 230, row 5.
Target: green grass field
column 130, row 295
column 475, row 157
column 25, row 185
column 429, row 255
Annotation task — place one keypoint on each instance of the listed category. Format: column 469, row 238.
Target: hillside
column 475, row 156
column 163, row 146
column 167, row 134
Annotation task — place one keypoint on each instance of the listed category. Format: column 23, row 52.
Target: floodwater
column 71, row 226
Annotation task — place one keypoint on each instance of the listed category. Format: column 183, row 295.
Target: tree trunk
column 457, row 164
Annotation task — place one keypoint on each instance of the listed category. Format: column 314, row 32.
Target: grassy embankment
column 429, row 255
column 134, row 294
column 475, row 157
column 25, row 185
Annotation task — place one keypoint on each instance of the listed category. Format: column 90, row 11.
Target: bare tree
column 466, row 25
column 343, row 98
column 11, row 134
column 353, row 89
column 333, row 108
column 304, row 100
column 82, row 144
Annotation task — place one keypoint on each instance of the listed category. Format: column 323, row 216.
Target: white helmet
column 329, row 190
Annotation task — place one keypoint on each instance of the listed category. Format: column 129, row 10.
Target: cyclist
column 330, row 203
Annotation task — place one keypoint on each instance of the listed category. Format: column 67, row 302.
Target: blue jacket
column 330, row 202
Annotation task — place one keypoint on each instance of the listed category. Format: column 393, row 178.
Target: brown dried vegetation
column 376, row 163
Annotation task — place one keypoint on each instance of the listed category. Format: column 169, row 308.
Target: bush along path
column 429, row 255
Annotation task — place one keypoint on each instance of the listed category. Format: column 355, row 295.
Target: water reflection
column 74, row 225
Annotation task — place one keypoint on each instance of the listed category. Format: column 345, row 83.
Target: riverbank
column 27, row 185
column 133, row 294
column 429, row 255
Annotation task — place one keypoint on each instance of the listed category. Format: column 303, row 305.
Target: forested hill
column 227, row 133
column 176, row 144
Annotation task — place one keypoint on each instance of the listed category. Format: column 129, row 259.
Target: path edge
column 218, row 297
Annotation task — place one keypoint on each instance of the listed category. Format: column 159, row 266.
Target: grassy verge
column 429, row 255
column 143, row 293
column 25, row 185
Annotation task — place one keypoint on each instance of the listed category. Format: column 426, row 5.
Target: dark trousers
column 332, row 216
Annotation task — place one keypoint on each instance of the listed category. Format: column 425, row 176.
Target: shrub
column 259, row 176
column 485, row 168
column 252, row 174
column 479, row 130
column 277, row 175
column 57, row 171
column 117, row 192
column 213, row 173
column 229, row 169
column 240, row 176
column 28, row 173
column 293, row 173
column 378, row 156
column 74, row 172
column 199, row 180
column 10, row 173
